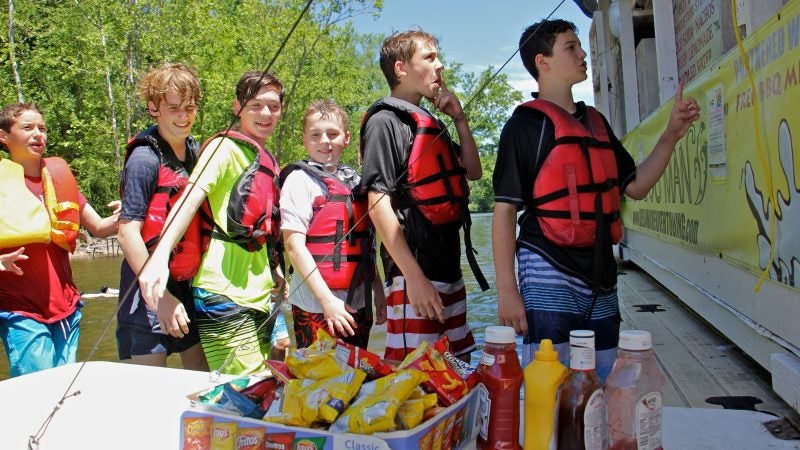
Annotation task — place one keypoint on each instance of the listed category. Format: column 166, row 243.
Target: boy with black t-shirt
column 420, row 244
column 566, row 268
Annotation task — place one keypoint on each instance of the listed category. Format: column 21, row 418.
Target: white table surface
column 124, row 406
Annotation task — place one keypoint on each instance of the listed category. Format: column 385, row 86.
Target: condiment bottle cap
column 546, row 351
column 635, row 340
column 500, row 335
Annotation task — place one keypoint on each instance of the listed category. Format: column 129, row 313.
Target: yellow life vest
column 25, row 219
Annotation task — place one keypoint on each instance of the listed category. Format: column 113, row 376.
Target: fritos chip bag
column 197, row 433
column 250, row 438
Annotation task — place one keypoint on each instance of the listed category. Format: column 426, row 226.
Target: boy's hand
column 511, row 312
column 684, row 112
column 338, row 317
column 424, row 299
column 153, row 282
column 379, row 299
column 172, row 316
column 8, row 261
column 116, row 207
column 448, row 103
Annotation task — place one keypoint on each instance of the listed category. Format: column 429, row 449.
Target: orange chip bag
column 444, row 381
column 250, row 438
column 197, row 433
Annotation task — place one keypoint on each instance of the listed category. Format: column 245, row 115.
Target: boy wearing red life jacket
column 158, row 162
column 41, row 211
column 416, row 178
column 238, row 178
column 560, row 163
column 328, row 236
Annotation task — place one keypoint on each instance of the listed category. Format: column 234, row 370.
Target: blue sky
column 479, row 33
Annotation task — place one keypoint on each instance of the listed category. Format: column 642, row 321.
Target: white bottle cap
column 500, row 335
column 581, row 338
column 635, row 340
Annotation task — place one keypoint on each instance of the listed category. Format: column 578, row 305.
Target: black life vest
column 436, row 182
column 340, row 235
column 253, row 216
column 576, row 196
column 172, row 180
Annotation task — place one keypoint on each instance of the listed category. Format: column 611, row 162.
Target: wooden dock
column 699, row 363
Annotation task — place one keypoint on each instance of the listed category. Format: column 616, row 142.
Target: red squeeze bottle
column 501, row 375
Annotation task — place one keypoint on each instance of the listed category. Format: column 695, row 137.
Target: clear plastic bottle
column 543, row 376
column 582, row 402
column 501, row 376
column 635, row 388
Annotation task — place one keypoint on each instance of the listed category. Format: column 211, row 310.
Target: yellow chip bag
column 377, row 412
column 412, row 411
column 223, row 435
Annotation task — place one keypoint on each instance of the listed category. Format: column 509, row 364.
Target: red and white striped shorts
column 405, row 331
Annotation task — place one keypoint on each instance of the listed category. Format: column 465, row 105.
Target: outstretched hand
column 8, row 261
column 684, row 112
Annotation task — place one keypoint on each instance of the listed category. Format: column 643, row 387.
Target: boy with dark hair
column 41, row 211
column 158, row 162
column 328, row 236
column 560, row 162
column 416, row 178
column 232, row 288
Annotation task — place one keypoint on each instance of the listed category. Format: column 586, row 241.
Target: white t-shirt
column 297, row 196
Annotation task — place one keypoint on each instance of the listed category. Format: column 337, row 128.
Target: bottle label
column 595, row 429
column 581, row 358
column 484, row 411
column 648, row 421
column 487, row 359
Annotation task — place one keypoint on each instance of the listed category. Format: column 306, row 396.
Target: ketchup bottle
column 582, row 403
column 501, row 376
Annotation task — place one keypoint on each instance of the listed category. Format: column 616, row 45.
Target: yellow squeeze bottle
column 543, row 376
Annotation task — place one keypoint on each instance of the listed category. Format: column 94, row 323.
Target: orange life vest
column 28, row 220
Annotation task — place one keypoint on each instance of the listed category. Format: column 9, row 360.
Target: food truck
column 721, row 229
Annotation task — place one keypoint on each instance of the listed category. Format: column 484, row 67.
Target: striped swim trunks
column 556, row 303
column 228, row 330
column 405, row 331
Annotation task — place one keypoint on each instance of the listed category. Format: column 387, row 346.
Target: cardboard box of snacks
column 206, row 428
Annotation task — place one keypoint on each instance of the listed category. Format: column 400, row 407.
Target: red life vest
column 172, row 179
column 253, row 214
column 576, row 196
column 436, row 182
column 339, row 236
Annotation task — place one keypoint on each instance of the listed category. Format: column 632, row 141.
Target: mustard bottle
column 543, row 376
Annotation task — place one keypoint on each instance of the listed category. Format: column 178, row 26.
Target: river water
column 98, row 342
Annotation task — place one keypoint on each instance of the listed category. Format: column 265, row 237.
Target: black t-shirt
column 525, row 142
column 386, row 141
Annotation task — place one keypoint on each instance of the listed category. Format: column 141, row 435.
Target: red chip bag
column 443, row 380
column 462, row 368
column 362, row 359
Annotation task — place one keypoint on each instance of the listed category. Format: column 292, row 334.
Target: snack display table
column 124, row 406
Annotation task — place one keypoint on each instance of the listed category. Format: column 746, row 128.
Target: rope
column 762, row 154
